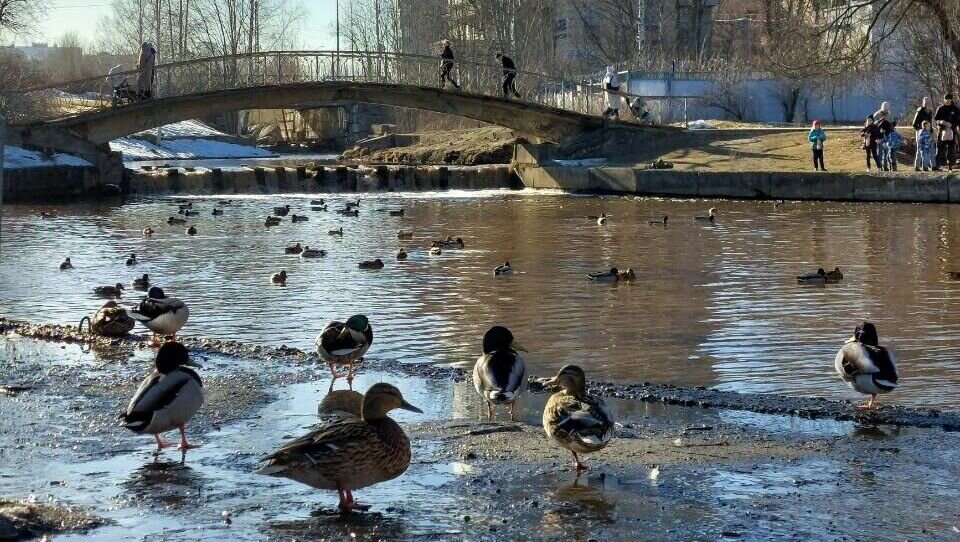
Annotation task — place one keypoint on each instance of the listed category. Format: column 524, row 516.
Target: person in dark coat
column 947, row 114
column 870, row 137
column 446, row 65
column 924, row 114
column 509, row 85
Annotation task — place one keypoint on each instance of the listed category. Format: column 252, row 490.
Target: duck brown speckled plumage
column 575, row 419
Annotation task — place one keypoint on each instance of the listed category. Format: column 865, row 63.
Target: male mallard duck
column 312, row 253
column 435, row 251
column 132, row 260
column 350, row 453
column 602, row 219
column 293, row 249
column 142, row 283
column 271, row 221
column 401, row 254
column 344, row 343
column 396, row 213
column 449, row 242
column 217, row 212
column 148, row 231
column 192, row 230
column 110, row 291
column 627, row 275
column 336, row 232
column 500, row 375
column 404, row 234
column 161, row 314
column 341, row 404
column 502, row 270
column 573, row 418
column 317, row 202
column 866, row 366
column 834, row 276
column 279, row 278
column 661, row 222
column 174, row 220
column 281, row 211
column 299, row 218
column 110, row 320
column 710, row 217
column 65, row 264
column 605, row 276
column 374, row 264
column 167, row 399
column 820, row 277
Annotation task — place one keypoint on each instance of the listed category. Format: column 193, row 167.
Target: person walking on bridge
column 508, row 86
column 446, row 66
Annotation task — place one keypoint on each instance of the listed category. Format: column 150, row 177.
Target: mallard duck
column 341, row 404
column 132, row 260
column 602, row 219
column 834, row 276
column 65, row 264
column 225, row 202
column 142, row 283
column 167, row 399
column 312, row 253
column 710, row 217
column 319, row 208
column 344, row 343
column 449, row 242
column 148, row 231
column 435, row 251
column 779, row 204
column 299, row 218
column 627, row 275
column 348, row 212
column 661, row 222
column 404, row 234
column 820, row 277
column 317, row 202
column 352, row 204
column 182, row 206
column 174, row 220
column 281, row 211
column 271, row 221
column 279, row 278
column 396, row 213
column 336, row 232
column 573, row 418
column 111, row 291
column 188, row 212
column 500, row 375
column 350, row 453
column 111, row 320
column 217, row 212
column 371, row 264
column 605, row 276
column 401, row 254
column 502, row 270
column 293, row 249
column 866, row 366
column 161, row 314
column 45, row 215
column 192, row 230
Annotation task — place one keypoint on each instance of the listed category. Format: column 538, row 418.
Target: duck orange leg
column 869, row 404
column 489, row 411
column 577, row 463
column 161, row 444
column 184, row 445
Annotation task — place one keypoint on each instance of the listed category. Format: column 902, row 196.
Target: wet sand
column 673, row 472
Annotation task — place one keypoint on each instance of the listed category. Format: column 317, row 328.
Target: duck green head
column 171, row 356
column 500, row 338
column 866, row 333
column 358, row 322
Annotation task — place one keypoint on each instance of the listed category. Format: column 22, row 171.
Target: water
column 713, row 305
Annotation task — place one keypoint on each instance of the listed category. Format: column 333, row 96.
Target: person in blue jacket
column 816, row 137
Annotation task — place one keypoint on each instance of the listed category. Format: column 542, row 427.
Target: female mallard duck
column 217, row 212
column 192, row 230
column 866, row 366
column 503, row 270
column 820, row 277
column 710, row 217
column 336, row 232
column 299, row 218
column 161, row 314
column 281, row 211
column 312, row 253
column 167, row 399
column 293, row 249
column 65, row 264
column 627, row 275
column 573, row 418
column 188, row 212
column 109, row 291
column 374, row 264
column 350, row 453
column 435, row 251
column 132, row 260
column 834, row 276
column 341, row 404
column 401, row 254
column 661, row 222
column 345, row 343
column 605, row 276
column 148, row 231
column 348, row 212
column 111, row 320
column 174, row 220
column 404, row 234
column 271, row 221
column 279, row 278
column 142, row 283
column 450, row 242
column 500, row 375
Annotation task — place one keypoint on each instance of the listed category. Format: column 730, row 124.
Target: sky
column 83, row 16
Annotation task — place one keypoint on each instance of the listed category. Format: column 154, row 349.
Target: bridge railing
column 286, row 67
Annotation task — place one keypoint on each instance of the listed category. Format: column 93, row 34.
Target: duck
column 341, row 404
column 110, row 291
column 350, row 453
column 312, row 253
column 182, row 206
column 318, row 202
column 142, row 283
column 279, row 278
column 132, row 260
column 865, row 366
column 374, row 264
column 711, row 216
column 661, row 222
column 779, row 204
column 167, row 398
column 449, row 242
column 336, row 232
column 271, row 221
column 148, row 231
column 834, row 276
column 348, row 212
column 293, row 249
column 820, row 277
column 503, row 270
column 404, row 234
column 344, row 343
column 111, row 320
column 575, row 419
column 500, row 374
column 396, row 213
column 401, row 254
column 174, row 220
column 224, row 202
column 217, row 212
column 435, row 251
column 66, row 264
column 627, row 275
column 188, row 212
column 605, row 276
column 318, row 208
column 352, row 204
column 45, row 215
column 602, row 219
column 192, row 230
column 281, row 211
column 161, row 314
column 299, row 218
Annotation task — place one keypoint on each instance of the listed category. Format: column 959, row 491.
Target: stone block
column 811, row 185
column 740, row 184
column 666, row 182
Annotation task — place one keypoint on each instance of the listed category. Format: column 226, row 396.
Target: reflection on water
column 712, row 305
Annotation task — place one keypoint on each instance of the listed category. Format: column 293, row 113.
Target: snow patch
column 184, row 149
column 18, row 158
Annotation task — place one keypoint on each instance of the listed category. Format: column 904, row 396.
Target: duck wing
column 333, row 341
column 156, row 392
column 330, row 447
column 587, row 419
column 151, row 309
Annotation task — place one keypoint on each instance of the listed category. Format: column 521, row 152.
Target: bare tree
column 18, row 16
column 729, row 92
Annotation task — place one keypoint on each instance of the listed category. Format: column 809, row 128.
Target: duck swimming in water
column 142, row 283
column 148, row 231
column 404, row 234
column 374, row 264
column 401, row 254
column 161, row 314
column 192, row 230
column 132, row 260
column 602, row 219
column 174, row 220
column 820, row 277
column 500, row 374
column 66, row 264
column 279, row 278
column 312, row 253
column 834, row 276
column 338, row 232
column 575, row 419
column 503, row 270
column 627, row 275
column 299, row 218
column 661, row 222
column 866, row 366
column 217, row 212
column 710, row 217
column 109, row 291
column 605, row 276
column 281, row 211
column 293, row 249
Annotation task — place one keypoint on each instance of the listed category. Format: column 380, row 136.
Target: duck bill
column 552, row 383
column 191, row 363
column 407, row 406
column 518, row 347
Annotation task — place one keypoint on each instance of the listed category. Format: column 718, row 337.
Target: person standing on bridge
column 147, row 67
column 446, row 65
column 611, row 86
column 509, row 85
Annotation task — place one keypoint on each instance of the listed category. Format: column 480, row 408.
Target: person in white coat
column 611, row 85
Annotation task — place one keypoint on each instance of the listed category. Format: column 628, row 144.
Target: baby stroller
column 640, row 111
column 123, row 93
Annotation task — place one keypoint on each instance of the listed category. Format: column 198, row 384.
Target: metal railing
column 288, row 67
